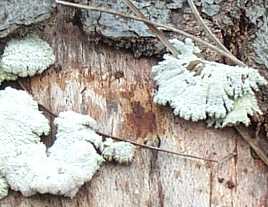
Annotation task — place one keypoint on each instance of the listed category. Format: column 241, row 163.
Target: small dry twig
column 208, row 31
column 156, row 148
column 252, row 142
column 157, row 32
column 205, row 27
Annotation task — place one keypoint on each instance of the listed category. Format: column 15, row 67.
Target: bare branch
column 169, row 28
column 205, row 27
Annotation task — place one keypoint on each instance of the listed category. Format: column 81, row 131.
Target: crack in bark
column 154, row 172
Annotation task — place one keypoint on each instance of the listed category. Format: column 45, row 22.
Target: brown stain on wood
column 141, row 121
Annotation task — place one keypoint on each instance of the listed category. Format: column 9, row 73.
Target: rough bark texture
column 116, row 89
column 14, row 14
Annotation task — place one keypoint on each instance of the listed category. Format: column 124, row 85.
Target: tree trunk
column 116, row 89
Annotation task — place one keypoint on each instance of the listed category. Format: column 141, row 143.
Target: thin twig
column 252, row 142
column 22, row 86
column 209, row 32
column 159, row 34
column 170, row 28
column 227, row 158
column 240, row 130
column 156, row 148
column 186, row 156
column 205, row 27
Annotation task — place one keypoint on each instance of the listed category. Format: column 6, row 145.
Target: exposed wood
column 116, row 90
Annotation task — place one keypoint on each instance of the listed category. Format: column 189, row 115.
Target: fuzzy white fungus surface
column 27, row 166
column 25, row 57
column 121, row 152
column 21, row 125
column 198, row 89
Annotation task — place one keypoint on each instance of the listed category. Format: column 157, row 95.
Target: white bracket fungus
column 202, row 90
column 25, row 57
column 27, row 166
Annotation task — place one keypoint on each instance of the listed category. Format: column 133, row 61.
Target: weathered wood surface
column 116, row 89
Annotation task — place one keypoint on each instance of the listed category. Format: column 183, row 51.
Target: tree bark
column 116, row 89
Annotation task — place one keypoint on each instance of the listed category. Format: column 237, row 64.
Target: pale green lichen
column 210, row 7
column 255, row 13
column 244, row 106
column 198, row 89
column 25, row 57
